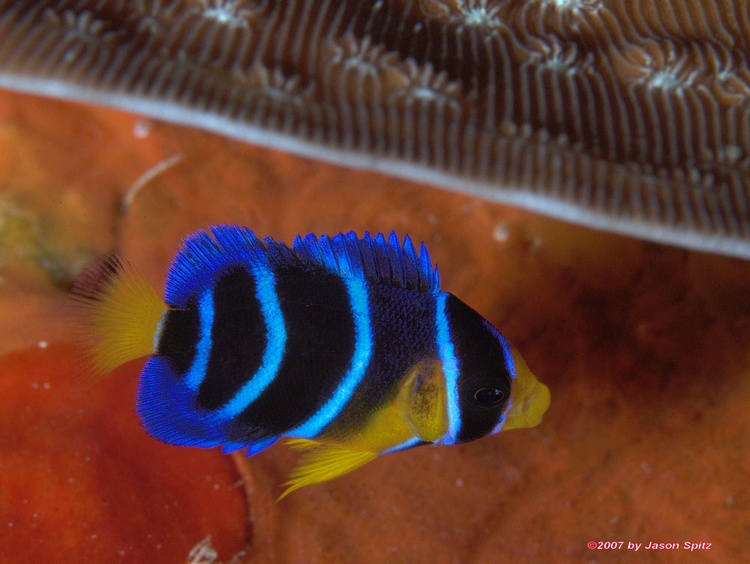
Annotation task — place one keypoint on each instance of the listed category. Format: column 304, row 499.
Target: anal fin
column 321, row 463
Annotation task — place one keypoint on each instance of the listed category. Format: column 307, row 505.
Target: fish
column 344, row 346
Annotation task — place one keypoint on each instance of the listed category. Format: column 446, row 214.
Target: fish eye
column 488, row 397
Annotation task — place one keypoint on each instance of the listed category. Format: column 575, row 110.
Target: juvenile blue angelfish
column 345, row 345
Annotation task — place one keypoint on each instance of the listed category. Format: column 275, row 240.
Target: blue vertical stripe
column 507, row 354
column 359, row 301
column 414, row 441
column 447, row 352
column 194, row 377
column 510, row 363
column 275, row 346
column 159, row 329
column 501, row 422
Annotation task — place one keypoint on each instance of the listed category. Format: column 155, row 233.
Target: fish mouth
column 529, row 398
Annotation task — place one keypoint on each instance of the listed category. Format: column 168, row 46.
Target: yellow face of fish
column 529, row 398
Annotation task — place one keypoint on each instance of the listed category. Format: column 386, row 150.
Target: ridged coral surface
column 625, row 116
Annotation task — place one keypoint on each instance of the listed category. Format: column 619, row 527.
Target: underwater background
column 644, row 348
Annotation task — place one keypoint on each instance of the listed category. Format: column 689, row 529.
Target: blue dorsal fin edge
column 376, row 259
column 208, row 252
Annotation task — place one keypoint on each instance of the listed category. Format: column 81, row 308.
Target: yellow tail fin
column 118, row 312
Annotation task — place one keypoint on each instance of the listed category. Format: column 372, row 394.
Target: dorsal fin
column 207, row 252
column 375, row 259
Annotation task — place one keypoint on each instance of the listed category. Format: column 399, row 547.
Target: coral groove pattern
column 626, row 116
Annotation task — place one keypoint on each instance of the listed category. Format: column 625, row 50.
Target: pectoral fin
column 321, row 463
column 422, row 400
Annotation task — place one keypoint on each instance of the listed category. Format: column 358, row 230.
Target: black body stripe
column 481, row 360
column 319, row 349
column 238, row 339
column 179, row 337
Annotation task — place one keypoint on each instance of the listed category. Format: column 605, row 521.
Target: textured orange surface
column 644, row 348
column 81, row 482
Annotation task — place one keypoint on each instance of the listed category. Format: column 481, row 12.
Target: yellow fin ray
column 322, row 462
column 118, row 312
